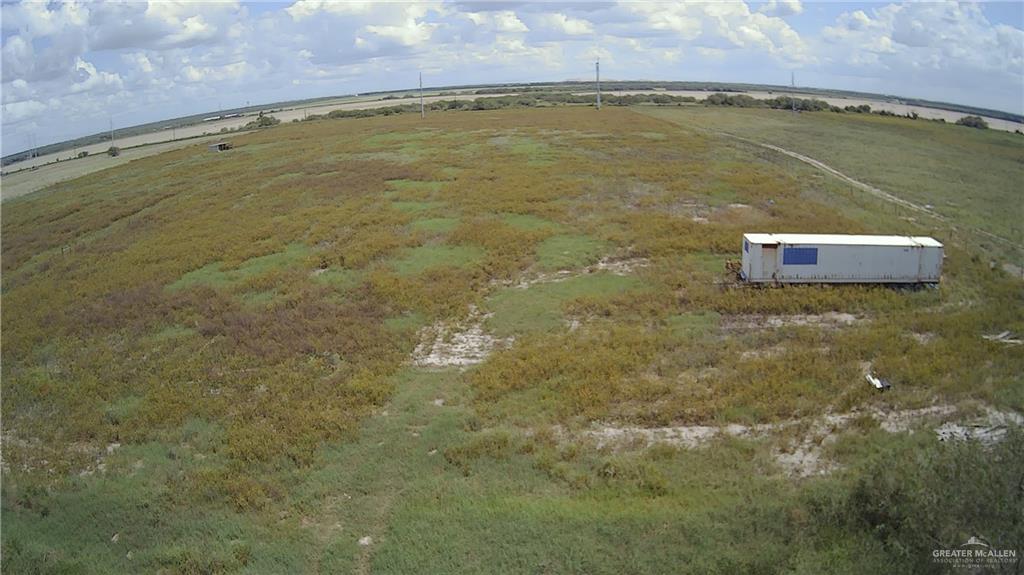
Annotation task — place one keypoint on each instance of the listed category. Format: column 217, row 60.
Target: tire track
column 877, row 192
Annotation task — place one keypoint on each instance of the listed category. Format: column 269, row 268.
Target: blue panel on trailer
column 800, row 257
column 746, row 246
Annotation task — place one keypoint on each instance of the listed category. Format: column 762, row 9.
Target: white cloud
column 232, row 71
column 306, row 8
column 410, row 29
column 24, row 110
column 943, row 37
column 140, row 61
column 782, row 8
column 88, row 79
column 501, row 21
column 567, row 25
column 17, row 58
column 36, row 19
column 726, row 26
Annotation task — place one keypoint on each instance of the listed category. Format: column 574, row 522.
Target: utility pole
column 423, row 111
column 597, row 73
column 111, row 130
column 792, row 86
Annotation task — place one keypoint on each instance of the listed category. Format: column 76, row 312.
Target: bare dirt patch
column 805, row 460
column 803, row 456
column 459, row 344
column 615, row 265
column 1003, row 337
column 989, row 428
column 825, row 320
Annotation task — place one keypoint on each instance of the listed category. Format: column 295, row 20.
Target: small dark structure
column 220, row 146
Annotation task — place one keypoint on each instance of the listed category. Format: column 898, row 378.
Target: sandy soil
column 614, row 265
column 825, row 320
column 456, row 345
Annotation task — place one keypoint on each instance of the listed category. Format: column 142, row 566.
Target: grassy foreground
column 206, row 357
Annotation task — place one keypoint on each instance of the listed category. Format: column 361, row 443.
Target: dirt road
column 28, row 181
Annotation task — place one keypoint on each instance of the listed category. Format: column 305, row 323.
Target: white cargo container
column 828, row 258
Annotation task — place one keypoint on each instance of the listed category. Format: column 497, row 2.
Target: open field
column 28, row 181
column 215, row 126
column 498, row 342
column 289, row 113
column 961, row 174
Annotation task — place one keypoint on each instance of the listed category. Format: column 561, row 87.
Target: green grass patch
column 696, row 324
column 436, row 225
column 536, row 151
column 406, row 322
column 414, row 206
column 567, row 252
column 540, row 307
column 213, row 274
column 710, row 263
column 388, row 138
column 172, row 332
column 259, row 298
column 416, row 260
column 415, row 186
column 529, row 222
column 338, row 278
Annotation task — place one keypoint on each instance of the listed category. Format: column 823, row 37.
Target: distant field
column 503, row 342
column 964, row 174
column 877, row 104
column 28, row 181
column 214, row 127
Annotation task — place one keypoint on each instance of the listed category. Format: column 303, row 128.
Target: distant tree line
column 261, row 122
column 536, row 98
column 780, row 102
column 815, row 105
column 532, row 100
column 973, row 122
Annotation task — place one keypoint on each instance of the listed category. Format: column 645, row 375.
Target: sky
column 69, row 69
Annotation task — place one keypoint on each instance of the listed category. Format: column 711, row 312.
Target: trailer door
column 769, row 260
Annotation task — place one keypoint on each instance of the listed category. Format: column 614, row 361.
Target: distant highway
column 214, row 127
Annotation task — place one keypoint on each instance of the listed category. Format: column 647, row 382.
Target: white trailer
column 829, row 258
